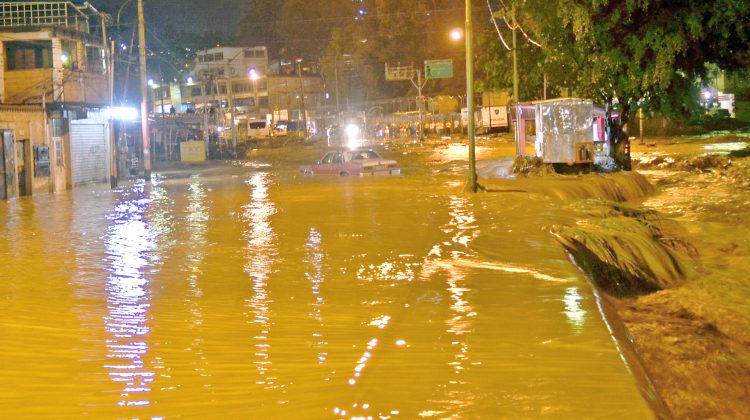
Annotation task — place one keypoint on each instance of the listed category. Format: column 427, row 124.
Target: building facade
column 54, row 98
column 236, row 85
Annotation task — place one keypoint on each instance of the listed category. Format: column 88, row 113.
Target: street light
column 456, row 34
column 254, row 76
column 471, row 184
column 302, row 99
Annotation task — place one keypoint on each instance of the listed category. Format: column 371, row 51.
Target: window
column 254, row 53
column 28, row 55
column 70, row 55
column 218, row 56
column 95, row 60
column 196, row 91
column 240, row 87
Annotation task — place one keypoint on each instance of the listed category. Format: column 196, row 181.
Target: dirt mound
column 624, row 250
column 695, row 352
column 531, row 166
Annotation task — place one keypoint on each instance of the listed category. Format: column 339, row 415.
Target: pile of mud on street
column 668, row 245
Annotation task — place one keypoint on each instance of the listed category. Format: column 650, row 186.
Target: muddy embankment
column 668, row 251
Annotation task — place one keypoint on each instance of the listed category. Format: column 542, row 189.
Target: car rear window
column 364, row 154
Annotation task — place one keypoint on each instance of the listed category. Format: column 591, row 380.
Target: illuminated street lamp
column 254, row 76
column 456, row 34
column 471, row 184
column 302, row 90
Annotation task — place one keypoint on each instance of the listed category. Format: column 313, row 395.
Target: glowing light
column 352, row 131
column 573, row 310
column 150, row 82
column 64, row 57
column 457, row 34
column 707, row 94
column 190, row 80
column 253, row 74
column 123, row 113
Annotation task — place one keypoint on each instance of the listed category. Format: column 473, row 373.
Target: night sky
column 181, row 14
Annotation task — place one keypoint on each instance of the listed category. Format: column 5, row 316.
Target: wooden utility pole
column 519, row 152
column 471, row 185
column 144, row 93
column 230, row 91
column 108, row 54
column 302, row 98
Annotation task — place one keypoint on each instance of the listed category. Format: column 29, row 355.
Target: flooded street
column 248, row 290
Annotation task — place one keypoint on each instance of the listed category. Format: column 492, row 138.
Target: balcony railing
column 44, row 14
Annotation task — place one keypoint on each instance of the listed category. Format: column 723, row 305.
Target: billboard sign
column 438, row 69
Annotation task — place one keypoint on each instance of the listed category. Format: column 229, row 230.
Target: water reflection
column 260, row 254
column 315, row 275
column 129, row 239
column 462, row 229
column 197, row 225
column 573, row 310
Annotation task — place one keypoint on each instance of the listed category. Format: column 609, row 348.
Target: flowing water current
column 250, row 291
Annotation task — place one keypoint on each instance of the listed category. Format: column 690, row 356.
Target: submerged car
column 357, row 162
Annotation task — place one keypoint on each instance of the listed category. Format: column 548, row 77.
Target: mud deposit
column 674, row 264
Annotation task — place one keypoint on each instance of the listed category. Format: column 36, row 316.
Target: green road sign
column 438, row 69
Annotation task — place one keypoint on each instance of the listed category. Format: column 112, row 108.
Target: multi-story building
column 54, row 97
column 239, row 79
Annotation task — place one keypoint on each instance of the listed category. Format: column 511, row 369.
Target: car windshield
column 364, row 154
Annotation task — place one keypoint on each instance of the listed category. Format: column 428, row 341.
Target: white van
column 258, row 129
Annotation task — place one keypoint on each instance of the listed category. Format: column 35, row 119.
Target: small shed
column 565, row 131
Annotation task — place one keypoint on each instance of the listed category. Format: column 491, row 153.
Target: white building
column 230, row 61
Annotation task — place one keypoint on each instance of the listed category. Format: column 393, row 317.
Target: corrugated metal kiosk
column 89, row 152
column 565, row 130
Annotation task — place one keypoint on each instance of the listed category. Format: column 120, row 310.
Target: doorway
column 7, row 165
column 23, row 168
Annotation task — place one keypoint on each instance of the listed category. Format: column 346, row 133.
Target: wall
column 27, row 123
column 26, row 86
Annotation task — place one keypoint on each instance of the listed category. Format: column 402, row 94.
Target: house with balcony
column 55, row 94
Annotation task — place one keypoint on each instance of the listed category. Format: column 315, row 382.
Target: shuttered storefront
column 88, row 153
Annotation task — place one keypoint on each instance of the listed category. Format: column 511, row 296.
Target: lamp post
column 254, row 76
column 144, row 94
column 302, row 97
column 471, row 184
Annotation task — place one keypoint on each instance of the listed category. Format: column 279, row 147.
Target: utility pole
column 519, row 152
column 144, row 93
column 420, row 104
column 108, row 54
column 204, row 95
column 471, row 185
column 230, row 91
column 336, row 75
column 302, row 98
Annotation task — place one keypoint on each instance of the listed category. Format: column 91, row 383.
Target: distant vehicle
column 358, row 162
column 258, row 129
column 333, row 135
column 494, row 118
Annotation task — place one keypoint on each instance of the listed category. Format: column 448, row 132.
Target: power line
column 497, row 28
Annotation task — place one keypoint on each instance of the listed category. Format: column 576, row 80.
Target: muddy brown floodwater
column 246, row 289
